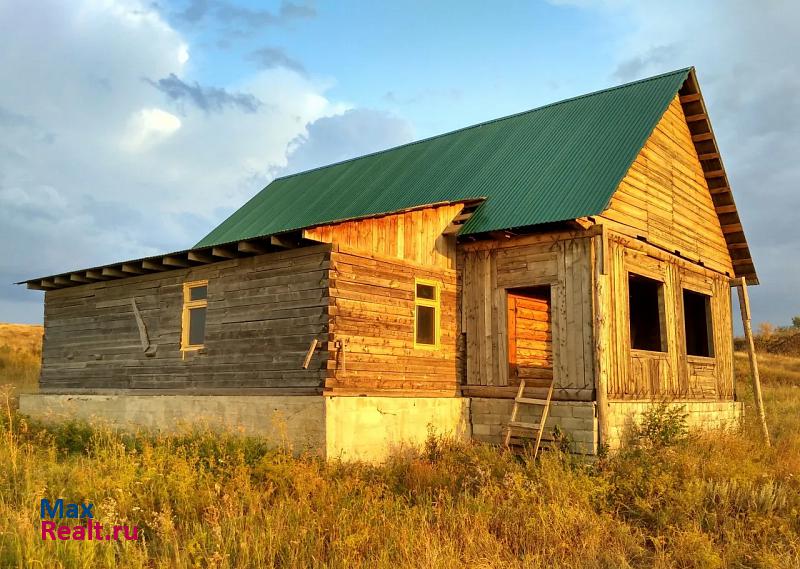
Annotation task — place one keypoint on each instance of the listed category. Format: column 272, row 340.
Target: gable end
column 676, row 194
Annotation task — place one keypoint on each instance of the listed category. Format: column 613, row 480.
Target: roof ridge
column 484, row 123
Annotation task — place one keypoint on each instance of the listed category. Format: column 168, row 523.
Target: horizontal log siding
column 373, row 314
column 263, row 313
column 665, row 197
column 415, row 236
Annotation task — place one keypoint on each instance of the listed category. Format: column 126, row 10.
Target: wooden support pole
column 600, row 308
column 744, row 307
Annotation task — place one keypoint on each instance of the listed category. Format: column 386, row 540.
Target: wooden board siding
column 373, row 315
column 665, row 199
column 415, row 236
column 263, row 312
column 638, row 374
column 489, row 269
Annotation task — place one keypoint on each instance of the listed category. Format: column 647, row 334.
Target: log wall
column 530, row 346
column 414, row 236
column 263, row 312
column 373, row 315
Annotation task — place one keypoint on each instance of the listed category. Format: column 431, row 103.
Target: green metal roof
column 555, row 163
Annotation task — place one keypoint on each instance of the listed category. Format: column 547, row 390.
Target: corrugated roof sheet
column 554, row 163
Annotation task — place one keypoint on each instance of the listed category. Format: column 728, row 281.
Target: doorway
column 530, row 341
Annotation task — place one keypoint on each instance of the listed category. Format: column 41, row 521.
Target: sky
column 131, row 127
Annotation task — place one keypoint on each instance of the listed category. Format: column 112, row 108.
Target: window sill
column 194, row 349
column 648, row 353
column 701, row 359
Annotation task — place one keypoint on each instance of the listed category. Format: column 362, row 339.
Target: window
column 697, row 324
column 426, row 313
column 195, row 302
column 646, row 302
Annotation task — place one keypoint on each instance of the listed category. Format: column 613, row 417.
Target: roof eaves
column 215, row 252
column 707, row 148
column 466, row 201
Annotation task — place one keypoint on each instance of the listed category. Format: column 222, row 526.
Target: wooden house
column 589, row 245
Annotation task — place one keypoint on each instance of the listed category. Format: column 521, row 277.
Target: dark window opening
column 426, row 291
column 426, row 314
column 197, row 326
column 193, row 317
column 198, row 293
column 426, row 325
column 697, row 324
column 645, row 301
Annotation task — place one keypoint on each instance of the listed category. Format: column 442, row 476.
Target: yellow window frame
column 189, row 304
column 436, row 304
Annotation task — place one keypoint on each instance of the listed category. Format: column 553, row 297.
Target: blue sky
column 132, row 127
column 440, row 65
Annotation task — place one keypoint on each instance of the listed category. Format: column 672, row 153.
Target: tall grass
column 209, row 500
column 204, row 499
column 20, row 354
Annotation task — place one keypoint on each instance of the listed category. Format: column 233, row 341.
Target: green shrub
column 661, row 425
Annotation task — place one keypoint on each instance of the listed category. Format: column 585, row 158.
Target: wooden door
column 530, row 346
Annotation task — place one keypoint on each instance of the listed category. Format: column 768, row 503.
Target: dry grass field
column 205, row 500
column 20, row 352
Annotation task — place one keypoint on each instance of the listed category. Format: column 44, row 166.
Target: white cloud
column 148, row 127
column 97, row 164
column 353, row 133
column 183, row 54
column 32, row 199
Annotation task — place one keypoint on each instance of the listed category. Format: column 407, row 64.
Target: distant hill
column 782, row 342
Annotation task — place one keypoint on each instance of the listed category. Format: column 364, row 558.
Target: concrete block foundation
column 370, row 428
column 360, row 428
column 351, row 428
column 575, row 418
column 297, row 421
column 705, row 415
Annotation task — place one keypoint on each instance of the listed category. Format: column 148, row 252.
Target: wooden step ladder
column 538, row 428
